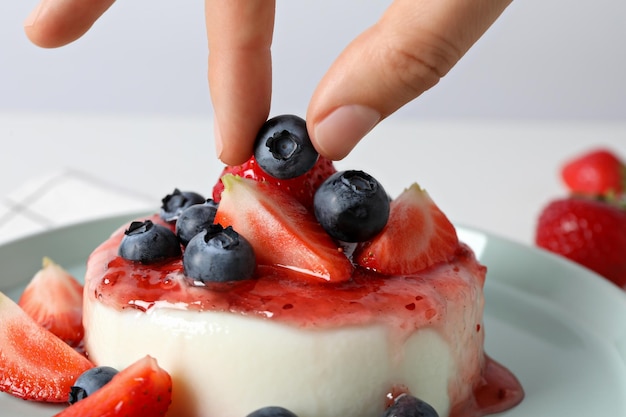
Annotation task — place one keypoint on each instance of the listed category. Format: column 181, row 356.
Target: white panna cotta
column 318, row 350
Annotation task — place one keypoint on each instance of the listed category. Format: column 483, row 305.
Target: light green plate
column 558, row 327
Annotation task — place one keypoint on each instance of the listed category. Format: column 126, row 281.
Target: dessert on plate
column 337, row 313
column 295, row 290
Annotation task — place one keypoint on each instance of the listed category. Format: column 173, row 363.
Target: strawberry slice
column 34, row 363
column 280, row 229
column 417, row 235
column 142, row 389
column 302, row 188
column 54, row 299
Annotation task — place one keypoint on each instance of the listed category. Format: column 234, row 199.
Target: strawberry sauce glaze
column 403, row 304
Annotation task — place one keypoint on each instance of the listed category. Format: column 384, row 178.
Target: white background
column 128, row 103
column 546, row 59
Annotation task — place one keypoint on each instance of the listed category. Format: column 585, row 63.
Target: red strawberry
column 417, row 235
column 587, row 231
column 597, row 172
column 54, row 299
column 279, row 228
column 142, row 389
column 34, row 363
column 302, row 188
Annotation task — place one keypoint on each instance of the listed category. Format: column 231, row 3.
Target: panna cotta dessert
column 294, row 293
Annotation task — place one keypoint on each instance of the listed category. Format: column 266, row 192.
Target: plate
column 560, row 328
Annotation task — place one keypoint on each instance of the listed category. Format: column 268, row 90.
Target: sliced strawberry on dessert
column 280, row 229
column 417, row 235
column 142, row 389
column 34, row 363
column 588, row 231
column 302, row 187
column 54, row 299
column 596, row 172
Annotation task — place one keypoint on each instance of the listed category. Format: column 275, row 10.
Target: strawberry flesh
column 281, row 230
column 417, row 235
column 142, row 389
column 302, row 187
column 35, row 364
column 54, row 299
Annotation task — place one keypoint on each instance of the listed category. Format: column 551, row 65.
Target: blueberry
column 90, row 381
column 148, row 242
column 173, row 204
column 272, row 411
column 194, row 219
column 219, row 254
column 351, row 206
column 408, row 406
column 283, row 148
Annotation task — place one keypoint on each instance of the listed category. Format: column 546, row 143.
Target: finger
column 239, row 34
column 56, row 23
column 413, row 45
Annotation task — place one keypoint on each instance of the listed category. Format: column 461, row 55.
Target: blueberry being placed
column 194, row 219
column 351, row 206
column 272, row 411
column 148, row 242
column 283, row 148
column 219, row 254
column 409, row 406
column 173, row 204
column 90, row 381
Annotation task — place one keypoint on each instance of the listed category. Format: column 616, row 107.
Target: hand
column 413, row 45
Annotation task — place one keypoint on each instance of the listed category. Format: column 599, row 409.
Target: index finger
column 55, row 23
column 239, row 34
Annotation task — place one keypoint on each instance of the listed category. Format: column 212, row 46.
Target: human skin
column 406, row 52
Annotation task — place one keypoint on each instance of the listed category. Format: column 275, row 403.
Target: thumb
column 413, row 45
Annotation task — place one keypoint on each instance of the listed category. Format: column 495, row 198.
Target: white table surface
column 494, row 176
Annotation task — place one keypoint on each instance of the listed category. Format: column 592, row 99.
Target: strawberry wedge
column 417, row 235
column 281, row 230
column 34, row 363
column 142, row 389
column 54, row 299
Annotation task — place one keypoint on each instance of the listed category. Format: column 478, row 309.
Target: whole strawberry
column 589, row 231
column 596, row 172
column 302, row 187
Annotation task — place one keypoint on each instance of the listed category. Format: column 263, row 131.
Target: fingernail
column 341, row 130
column 217, row 137
column 32, row 17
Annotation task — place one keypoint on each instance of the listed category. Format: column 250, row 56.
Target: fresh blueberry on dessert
column 351, row 206
column 272, row 411
column 219, row 254
column 409, row 406
column 147, row 242
column 173, row 204
column 283, row 148
column 194, row 219
column 90, row 381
